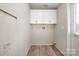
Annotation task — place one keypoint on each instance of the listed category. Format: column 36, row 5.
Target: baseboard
column 28, row 51
column 42, row 44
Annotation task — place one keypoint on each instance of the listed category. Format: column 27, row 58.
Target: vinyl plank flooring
column 51, row 51
column 57, row 52
column 41, row 50
column 34, row 51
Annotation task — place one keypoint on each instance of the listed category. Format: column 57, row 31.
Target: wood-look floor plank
column 41, row 50
column 34, row 51
column 51, row 52
column 57, row 52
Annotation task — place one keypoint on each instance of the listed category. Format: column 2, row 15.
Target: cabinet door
column 53, row 17
column 48, row 16
column 7, row 34
column 34, row 16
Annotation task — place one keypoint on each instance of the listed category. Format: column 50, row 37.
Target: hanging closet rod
column 8, row 14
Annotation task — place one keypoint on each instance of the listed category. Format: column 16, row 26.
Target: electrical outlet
column 54, row 44
column 43, row 27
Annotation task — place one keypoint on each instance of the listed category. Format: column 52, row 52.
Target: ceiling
column 44, row 5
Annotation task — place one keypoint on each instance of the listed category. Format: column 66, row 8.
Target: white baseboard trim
column 28, row 50
column 42, row 44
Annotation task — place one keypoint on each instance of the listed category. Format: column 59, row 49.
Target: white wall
column 7, row 34
column 61, row 28
column 9, row 7
column 17, row 34
column 23, row 29
column 74, row 38
column 42, row 36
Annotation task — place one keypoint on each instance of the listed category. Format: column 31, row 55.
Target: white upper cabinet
column 43, row 17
